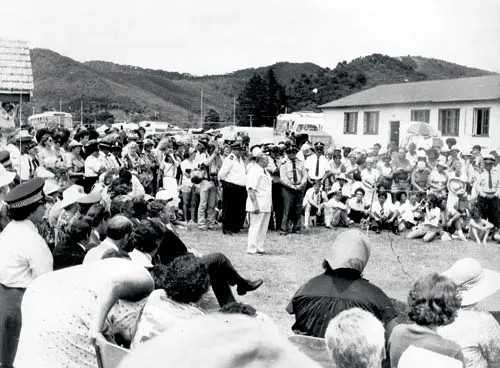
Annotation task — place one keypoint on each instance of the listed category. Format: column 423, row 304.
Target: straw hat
column 457, row 186
column 50, row 187
column 350, row 249
column 72, row 195
column 6, row 177
column 219, row 341
column 475, row 283
column 341, row 176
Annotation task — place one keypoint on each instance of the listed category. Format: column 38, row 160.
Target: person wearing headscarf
column 474, row 329
column 340, row 287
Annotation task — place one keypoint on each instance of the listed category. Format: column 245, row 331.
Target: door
column 394, row 133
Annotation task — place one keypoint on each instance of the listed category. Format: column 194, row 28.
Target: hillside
column 134, row 93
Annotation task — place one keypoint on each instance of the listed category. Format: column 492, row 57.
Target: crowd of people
column 90, row 249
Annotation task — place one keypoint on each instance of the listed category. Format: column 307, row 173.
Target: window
column 449, row 122
column 350, row 122
column 370, row 125
column 481, row 127
column 420, row 115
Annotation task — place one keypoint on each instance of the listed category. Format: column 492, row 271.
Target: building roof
column 15, row 67
column 445, row 90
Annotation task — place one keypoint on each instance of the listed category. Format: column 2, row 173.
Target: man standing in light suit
column 259, row 185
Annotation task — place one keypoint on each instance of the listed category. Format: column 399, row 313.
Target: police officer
column 232, row 175
column 317, row 165
column 487, row 191
column 293, row 177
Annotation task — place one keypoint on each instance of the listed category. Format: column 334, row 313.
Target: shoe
column 203, row 228
column 249, row 286
column 261, row 252
column 284, row 233
column 227, row 232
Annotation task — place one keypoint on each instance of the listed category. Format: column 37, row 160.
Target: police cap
column 25, row 194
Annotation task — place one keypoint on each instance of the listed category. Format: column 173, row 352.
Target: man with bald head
column 118, row 231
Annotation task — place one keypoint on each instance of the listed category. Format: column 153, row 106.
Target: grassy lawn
column 394, row 264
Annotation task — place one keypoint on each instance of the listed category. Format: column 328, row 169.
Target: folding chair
column 313, row 347
column 109, row 355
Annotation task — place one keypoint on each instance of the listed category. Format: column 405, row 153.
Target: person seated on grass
column 408, row 214
column 355, row 338
column 433, row 301
column 479, row 227
column 429, row 228
column 456, row 217
column 335, row 210
column 357, row 208
column 339, row 288
column 313, row 199
column 383, row 213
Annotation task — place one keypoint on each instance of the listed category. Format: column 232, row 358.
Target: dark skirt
column 10, row 323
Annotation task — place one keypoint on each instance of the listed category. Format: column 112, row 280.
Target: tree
column 212, row 116
column 260, row 101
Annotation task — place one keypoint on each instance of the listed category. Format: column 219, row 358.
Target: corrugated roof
column 445, row 90
column 16, row 74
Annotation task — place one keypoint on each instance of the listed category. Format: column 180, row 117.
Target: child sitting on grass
column 429, row 229
column 479, row 227
column 335, row 210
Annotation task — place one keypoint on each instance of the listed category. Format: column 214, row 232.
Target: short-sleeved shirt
column 92, row 166
column 261, row 182
column 319, row 162
column 325, row 296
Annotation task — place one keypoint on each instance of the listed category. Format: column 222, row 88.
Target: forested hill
column 112, row 91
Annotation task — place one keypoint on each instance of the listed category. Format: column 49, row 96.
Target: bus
column 299, row 122
column 51, row 119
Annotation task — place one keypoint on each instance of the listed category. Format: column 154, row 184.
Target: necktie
column 317, row 168
column 294, row 169
column 490, row 180
column 31, row 166
column 382, row 211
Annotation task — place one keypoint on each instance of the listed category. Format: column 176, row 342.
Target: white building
column 467, row 109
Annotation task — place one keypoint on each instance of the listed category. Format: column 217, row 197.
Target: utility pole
column 81, row 112
column 251, row 122
column 60, row 104
column 201, row 110
column 234, row 111
column 33, row 110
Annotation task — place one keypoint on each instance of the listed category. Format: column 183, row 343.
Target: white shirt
column 432, row 217
column 312, row 197
column 388, row 207
column 233, row 170
column 141, row 258
column 353, row 204
column 92, row 166
column 200, row 158
column 311, row 163
column 407, row 211
column 96, row 253
column 186, row 165
column 24, row 255
column 261, row 182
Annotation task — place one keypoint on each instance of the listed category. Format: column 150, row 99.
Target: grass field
column 394, row 264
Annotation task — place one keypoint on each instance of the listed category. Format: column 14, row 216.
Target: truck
column 305, row 125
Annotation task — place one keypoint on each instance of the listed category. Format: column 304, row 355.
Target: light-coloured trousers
column 208, row 201
column 257, row 231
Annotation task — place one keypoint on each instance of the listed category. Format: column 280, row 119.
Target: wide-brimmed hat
column 488, row 156
column 42, row 172
column 219, row 341
column 167, row 196
column 351, row 249
column 474, row 282
column 457, row 186
column 50, row 187
column 91, row 198
column 257, row 151
column 6, row 177
column 341, row 176
column 72, row 195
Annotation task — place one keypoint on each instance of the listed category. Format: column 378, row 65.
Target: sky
column 219, row 36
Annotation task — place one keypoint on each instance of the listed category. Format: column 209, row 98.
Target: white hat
column 421, row 154
column 257, row 151
column 457, row 186
column 72, row 195
column 51, row 186
column 6, row 177
column 488, row 156
column 475, row 283
column 74, row 144
column 165, row 195
column 42, row 172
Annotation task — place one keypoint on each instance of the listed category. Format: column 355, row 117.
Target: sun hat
column 257, row 151
column 421, row 154
column 72, row 195
column 91, row 198
column 457, row 186
column 350, row 249
column 488, row 156
column 43, row 173
column 474, row 282
column 6, row 177
column 341, row 176
column 455, row 148
column 51, row 186
column 219, row 341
